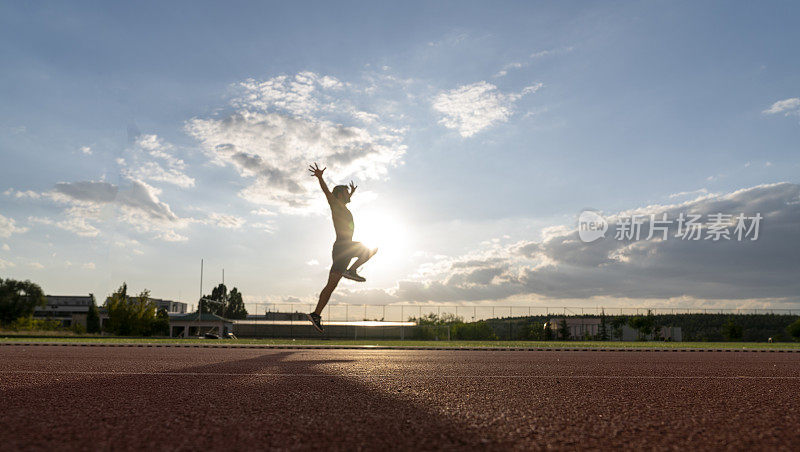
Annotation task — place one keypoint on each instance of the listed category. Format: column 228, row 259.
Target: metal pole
column 402, row 323
column 201, row 296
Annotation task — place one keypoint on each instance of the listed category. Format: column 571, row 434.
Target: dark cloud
column 562, row 266
column 89, row 191
column 138, row 197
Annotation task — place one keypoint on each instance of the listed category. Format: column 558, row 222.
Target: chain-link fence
column 469, row 313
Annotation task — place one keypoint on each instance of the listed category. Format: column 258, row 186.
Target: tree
column 130, row 316
column 472, row 331
column 548, row 332
column 616, row 327
column 643, row 324
column 161, row 323
column 19, row 299
column 794, row 329
column 219, row 294
column 533, row 331
column 603, row 332
column 731, row 331
column 235, row 307
column 93, row 318
column 563, row 330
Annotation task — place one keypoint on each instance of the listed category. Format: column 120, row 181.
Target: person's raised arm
column 316, row 172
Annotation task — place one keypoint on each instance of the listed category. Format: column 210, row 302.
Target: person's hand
column 352, row 188
column 315, row 171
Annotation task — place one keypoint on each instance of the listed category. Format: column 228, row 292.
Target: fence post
column 402, row 323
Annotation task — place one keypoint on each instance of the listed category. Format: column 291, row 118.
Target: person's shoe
column 351, row 274
column 316, row 320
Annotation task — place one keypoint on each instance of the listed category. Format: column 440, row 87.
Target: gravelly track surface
column 94, row 398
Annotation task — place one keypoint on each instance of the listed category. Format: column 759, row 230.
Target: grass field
column 410, row 344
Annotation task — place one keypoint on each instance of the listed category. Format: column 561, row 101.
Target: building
column 579, row 328
column 68, row 309
column 172, row 307
column 72, row 309
column 194, row 324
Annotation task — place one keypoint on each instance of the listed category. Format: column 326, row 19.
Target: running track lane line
column 400, row 347
column 237, row 374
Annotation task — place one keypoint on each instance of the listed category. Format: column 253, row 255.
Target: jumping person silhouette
column 344, row 248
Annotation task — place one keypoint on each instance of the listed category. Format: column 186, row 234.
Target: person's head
column 342, row 193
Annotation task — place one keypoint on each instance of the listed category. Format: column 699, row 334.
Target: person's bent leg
column 325, row 295
column 364, row 254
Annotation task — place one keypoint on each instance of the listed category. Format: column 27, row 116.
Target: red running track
column 102, row 398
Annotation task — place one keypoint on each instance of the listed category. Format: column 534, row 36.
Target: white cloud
column 30, row 194
column 226, row 221
column 36, row 265
column 473, row 108
column 267, row 226
column 9, row 226
column 88, row 266
column 76, row 221
column 6, row 247
column 172, row 236
column 503, row 72
column 263, row 212
column 691, row 193
column 86, row 150
column 534, row 56
column 312, row 262
column 550, row 52
column 153, row 160
column 786, row 106
column 280, row 125
column 4, row 264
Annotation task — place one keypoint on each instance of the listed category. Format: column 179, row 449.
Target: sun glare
column 388, row 233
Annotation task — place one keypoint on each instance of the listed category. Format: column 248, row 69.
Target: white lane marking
column 324, row 375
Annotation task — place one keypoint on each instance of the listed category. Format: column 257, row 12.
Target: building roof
column 205, row 317
column 68, row 300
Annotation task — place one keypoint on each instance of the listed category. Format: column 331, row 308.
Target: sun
column 386, row 231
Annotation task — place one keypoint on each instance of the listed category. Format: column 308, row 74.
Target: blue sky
column 136, row 139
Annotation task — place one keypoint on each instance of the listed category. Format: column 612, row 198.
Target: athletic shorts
column 344, row 251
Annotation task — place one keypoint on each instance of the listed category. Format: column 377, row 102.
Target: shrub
column 28, row 323
column 794, row 329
